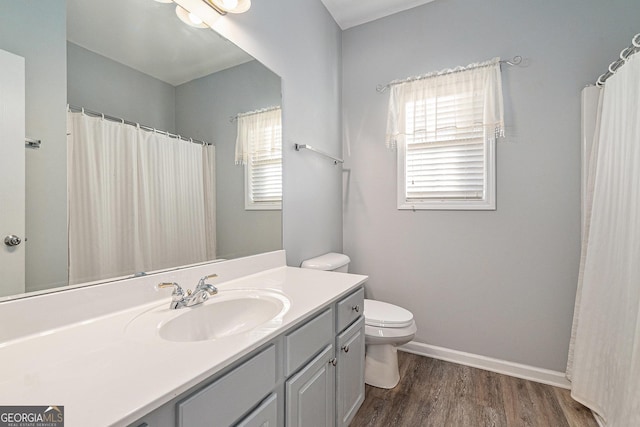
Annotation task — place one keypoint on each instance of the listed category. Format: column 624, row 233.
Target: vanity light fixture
column 229, row 6
column 189, row 18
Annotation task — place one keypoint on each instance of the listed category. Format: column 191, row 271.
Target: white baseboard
column 532, row 373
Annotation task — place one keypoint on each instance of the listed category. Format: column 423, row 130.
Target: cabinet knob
column 356, row 308
column 333, row 361
column 345, row 348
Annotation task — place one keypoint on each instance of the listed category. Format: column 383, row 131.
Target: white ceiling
column 148, row 36
column 349, row 13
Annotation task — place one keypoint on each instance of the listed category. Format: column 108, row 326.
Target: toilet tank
column 328, row 262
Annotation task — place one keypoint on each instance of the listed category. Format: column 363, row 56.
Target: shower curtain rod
column 516, row 60
column 625, row 54
column 130, row 123
column 251, row 113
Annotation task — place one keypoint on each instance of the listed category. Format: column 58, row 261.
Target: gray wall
column 203, row 108
column 106, row 86
column 299, row 41
column 500, row 284
column 36, row 30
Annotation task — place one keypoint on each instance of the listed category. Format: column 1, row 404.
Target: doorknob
column 12, row 240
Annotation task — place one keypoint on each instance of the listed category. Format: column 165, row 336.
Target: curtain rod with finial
column 130, row 123
column 516, row 60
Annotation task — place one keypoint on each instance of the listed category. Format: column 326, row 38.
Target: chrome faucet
column 198, row 296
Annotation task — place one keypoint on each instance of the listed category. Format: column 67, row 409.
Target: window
column 259, row 149
column 445, row 127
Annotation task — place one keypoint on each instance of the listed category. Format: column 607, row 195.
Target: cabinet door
column 311, row 393
column 350, row 373
column 266, row 415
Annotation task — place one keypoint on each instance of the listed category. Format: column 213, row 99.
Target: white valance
column 447, row 102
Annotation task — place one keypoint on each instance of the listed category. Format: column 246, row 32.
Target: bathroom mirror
column 135, row 60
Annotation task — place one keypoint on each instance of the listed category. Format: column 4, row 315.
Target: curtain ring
column 600, row 81
column 626, row 52
column 636, row 40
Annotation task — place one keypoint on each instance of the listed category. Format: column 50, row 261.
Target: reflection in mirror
column 135, row 61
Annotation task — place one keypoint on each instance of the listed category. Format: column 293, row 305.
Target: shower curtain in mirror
column 604, row 364
column 138, row 200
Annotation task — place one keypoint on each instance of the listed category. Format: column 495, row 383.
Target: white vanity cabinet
column 310, row 375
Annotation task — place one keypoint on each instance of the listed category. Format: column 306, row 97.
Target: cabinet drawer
column 306, row 341
column 265, row 415
column 224, row 401
column 349, row 309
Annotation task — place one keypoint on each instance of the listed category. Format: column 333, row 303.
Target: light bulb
column 189, row 18
column 195, row 18
column 230, row 4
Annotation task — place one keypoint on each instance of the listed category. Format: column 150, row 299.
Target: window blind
column 265, row 165
column 445, row 160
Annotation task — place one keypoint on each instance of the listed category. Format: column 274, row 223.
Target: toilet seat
column 385, row 315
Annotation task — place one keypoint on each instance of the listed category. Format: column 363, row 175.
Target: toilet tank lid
column 330, row 261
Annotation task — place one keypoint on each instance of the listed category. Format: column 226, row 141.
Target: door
column 12, row 173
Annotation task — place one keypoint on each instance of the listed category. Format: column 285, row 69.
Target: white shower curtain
column 138, row 200
column 604, row 365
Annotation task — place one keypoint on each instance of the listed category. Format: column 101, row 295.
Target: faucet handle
column 177, row 289
column 202, row 286
column 202, row 280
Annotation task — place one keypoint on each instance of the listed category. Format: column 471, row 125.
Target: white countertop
column 105, row 375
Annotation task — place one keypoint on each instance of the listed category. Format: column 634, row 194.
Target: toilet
column 387, row 326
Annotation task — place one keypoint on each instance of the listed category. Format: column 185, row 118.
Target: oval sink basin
column 228, row 313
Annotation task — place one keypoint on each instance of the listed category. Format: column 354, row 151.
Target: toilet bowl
column 387, row 326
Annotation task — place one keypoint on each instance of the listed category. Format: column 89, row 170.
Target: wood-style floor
column 443, row 394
